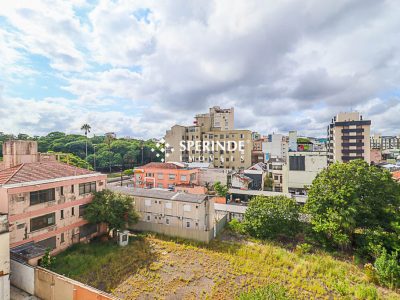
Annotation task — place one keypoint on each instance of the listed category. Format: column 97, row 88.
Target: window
column 160, row 176
column 62, row 191
column 73, row 211
column 50, row 243
column 43, row 221
column 42, row 196
column 62, row 238
column 148, row 218
column 73, row 189
column 62, row 214
column 87, row 230
column 183, row 177
column 187, row 207
column 171, row 176
column 87, row 187
column 167, row 221
column 168, row 205
column 187, row 224
column 82, row 209
column 297, row 163
column 21, row 226
column 160, row 185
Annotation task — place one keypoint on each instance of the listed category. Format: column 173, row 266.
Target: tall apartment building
column 348, row 138
column 211, row 139
column 276, row 145
column 44, row 200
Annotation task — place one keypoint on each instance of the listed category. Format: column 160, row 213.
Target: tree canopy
column 354, row 204
column 272, row 216
column 114, row 209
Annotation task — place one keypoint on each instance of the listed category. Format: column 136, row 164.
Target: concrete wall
column 23, row 276
column 52, row 286
column 4, row 258
column 191, row 234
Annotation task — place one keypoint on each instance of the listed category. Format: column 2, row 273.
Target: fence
column 48, row 285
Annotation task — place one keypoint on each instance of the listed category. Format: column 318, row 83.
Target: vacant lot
column 161, row 268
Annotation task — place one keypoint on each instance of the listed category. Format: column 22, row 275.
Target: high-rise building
column 348, row 138
column 211, row 139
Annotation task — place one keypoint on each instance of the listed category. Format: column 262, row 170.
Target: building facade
column 45, row 201
column 4, row 258
column 385, row 142
column 276, row 145
column 165, row 175
column 348, row 138
column 211, row 139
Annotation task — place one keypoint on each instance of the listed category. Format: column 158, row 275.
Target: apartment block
column 173, row 213
column 45, row 201
column 348, row 138
column 165, row 175
column 276, row 145
column 385, row 142
column 211, row 139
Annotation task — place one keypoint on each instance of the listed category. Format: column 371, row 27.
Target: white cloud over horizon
column 139, row 67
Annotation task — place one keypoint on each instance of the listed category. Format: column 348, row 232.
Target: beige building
column 173, row 213
column 301, row 169
column 4, row 258
column 211, row 139
column 349, row 138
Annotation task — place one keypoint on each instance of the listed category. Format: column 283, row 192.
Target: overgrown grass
column 103, row 264
column 269, row 292
column 160, row 267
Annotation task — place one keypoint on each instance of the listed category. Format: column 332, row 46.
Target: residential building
column 275, row 171
column 293, row 140
column 276, row 145
column 257, row 154
column 165, row 175
column 172, row 213
column 211, row 139
column 383, row 142
column 301, row 169
column 348, row 138
column 4, row 258
column 45, row 200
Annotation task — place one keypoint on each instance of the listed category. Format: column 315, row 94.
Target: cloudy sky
column 139, row 67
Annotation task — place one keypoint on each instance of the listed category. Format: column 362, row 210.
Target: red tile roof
column 159, row 165
column 39, row 171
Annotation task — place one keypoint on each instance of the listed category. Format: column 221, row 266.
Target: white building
column 275, row 146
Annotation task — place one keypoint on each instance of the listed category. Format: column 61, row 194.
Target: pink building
column 45, row 201
column 165, row 175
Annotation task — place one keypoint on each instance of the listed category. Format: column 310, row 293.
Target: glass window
column 183, row 177
column 167, row 221
column 42, row 196
column 171, row 176
column 62, row 191
column 62, row 238
column 82, row 209
column 160, row 176
column 297, row 163
column 62, row 214
column 87, row 187
column 72, row 188
column 43, row 221
column 73, row 211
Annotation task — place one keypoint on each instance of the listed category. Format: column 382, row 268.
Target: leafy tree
column 354, row 200
column 114, row 209
column 220, row 189
column 47, row 260
column 272, row 216
column 268, row 182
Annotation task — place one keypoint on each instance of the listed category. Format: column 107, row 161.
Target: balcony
column 356, row 144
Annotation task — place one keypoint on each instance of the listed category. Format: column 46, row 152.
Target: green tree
column 47, row 260
column 114, row 209
column 354, row 204
column 272, row 216
column 220, row 189
column 86, row 128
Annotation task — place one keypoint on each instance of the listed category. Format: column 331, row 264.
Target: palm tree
column 86, row 127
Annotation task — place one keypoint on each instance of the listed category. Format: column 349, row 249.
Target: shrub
column 269, row 292
column 269, row 217
column 47, row 260
column 236, row 226
column 303, row 248
column 388, row 269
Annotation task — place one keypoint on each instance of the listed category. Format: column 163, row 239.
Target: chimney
column 16, row 152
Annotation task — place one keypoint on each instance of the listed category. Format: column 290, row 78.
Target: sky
column 139, row 67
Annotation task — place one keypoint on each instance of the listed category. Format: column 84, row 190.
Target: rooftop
column 159, row 194
column 160, row 165
column 27, row 251
column 37, row 171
